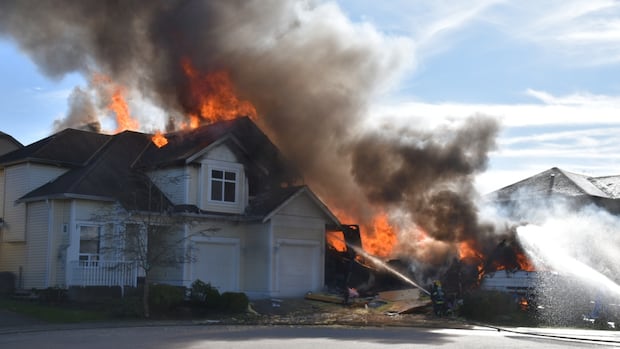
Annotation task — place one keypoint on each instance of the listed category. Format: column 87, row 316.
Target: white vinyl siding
column 1, row 195
column 19, row 180
column 35, row 273
column 173, row 183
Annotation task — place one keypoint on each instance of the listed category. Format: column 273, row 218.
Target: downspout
column 50, row 237
column 272, row 252
column 71, row 245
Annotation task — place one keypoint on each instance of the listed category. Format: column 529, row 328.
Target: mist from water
column 576, row 257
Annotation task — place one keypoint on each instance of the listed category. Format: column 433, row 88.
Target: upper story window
column 223, row 185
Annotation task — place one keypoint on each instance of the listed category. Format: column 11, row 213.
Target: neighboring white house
column 265, row 235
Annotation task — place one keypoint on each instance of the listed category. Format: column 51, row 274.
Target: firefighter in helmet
column 438, row 299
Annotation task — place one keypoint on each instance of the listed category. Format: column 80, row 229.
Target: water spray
column 385, row 266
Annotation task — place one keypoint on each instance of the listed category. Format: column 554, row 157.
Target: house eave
column 313, row 197
column 65, row 196
column 38, row 161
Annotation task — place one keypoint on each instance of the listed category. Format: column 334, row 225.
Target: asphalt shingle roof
column 110, row 167
column 69, row 147
column 558, row 181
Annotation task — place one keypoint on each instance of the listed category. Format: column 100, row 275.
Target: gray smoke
column 307, row 69
column 82, row 113
column 429, row 175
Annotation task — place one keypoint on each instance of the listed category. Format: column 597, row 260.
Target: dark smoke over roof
column 307, row 69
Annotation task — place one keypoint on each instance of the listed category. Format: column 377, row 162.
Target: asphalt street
column 300, row 337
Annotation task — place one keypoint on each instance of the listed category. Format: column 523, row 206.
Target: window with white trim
column 223, row 185
column 90, row 244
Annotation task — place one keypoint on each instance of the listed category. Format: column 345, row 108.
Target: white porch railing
column 103, row 273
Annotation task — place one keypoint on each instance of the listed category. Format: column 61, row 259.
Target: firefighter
column 438, row 299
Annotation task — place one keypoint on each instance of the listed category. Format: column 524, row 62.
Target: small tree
column 154, row 238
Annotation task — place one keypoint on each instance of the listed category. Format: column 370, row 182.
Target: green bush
column 235, row 302
column 127, row 307
column 53, row 295
column 204, row 295
column 164, row 297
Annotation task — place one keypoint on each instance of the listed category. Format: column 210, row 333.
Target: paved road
column 195, row 337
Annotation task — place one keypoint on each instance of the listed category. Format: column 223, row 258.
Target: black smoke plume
column 307, row 69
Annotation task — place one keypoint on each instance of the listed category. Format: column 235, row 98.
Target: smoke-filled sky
column 548, row 71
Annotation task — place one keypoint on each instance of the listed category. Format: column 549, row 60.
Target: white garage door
column 298, row 267
column 218, row 264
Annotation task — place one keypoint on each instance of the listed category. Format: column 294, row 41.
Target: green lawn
column 52, row 313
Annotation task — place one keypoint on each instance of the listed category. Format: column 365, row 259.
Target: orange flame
column 119, row 106
column 525, row 263
column 336, row 240
column 470, row 255
column 378, row 236
column 159, row 139
column 213, row 96
column 466, row 250
column 382, row 238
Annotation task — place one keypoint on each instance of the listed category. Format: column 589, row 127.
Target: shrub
column 7, row 283
column 235, row 302
column 128, row 307
column 164, row 297
column 204, row 295
column 53, row 295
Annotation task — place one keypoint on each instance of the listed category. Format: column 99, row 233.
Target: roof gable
column 241, row 134
column 277, row 201
column 69, row 147
column 8, row 143
column 554, row 181
column 109, row 176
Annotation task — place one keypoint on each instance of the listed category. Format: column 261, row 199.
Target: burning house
column 554, row 192
column 304, row 75
column 265, row 233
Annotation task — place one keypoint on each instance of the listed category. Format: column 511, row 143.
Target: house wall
column 172, row 275
column 60, row 242
column 221, row 157
column 20, row 232
column 18, row 181
column 300, row 223
column 193, row 184
column 37, row 236
column 1, row 196
column 256, row 259
column 173, row 182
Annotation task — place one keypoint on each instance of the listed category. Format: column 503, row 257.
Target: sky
column 548, row 70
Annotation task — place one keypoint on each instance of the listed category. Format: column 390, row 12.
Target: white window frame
column 235, row 168
column 89, row 259
column 223, row 181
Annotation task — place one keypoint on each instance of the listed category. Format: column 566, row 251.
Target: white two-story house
column 250, row 226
